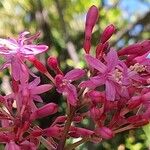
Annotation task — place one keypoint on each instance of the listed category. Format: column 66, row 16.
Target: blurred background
column 61, row 23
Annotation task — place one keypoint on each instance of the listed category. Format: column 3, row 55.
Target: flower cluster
column 113, row 92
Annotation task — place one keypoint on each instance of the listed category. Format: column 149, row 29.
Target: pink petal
column 112, row 59
column 88, row 84
column 95, row 63
column 110, row 91
column 71, row 94
column 34, row 83
column 33, row 49
column 74, row 74
column 41, row 89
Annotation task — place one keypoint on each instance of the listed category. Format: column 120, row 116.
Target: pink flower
column 29, row 92
column 22, row 46
column 16, row 50
column 110, row 75
column 64, row 86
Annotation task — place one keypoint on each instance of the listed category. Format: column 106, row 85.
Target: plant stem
column 66, row 129
column 76, row 144
column 124, row 128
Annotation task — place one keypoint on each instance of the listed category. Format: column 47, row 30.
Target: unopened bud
column 107, row 33
column 91, row 19
column 53, row 64
column 38, row 64
column 44, row 111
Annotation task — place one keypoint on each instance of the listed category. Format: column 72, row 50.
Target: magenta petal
column 33, row 49
column 95, row 63
column 16, row 67
column 41, row 89
column 34, row 83
column 112, row 59
column 74, row 74
column 110, row 91
column 98, row 80
column 71, row 94
column 88, row 84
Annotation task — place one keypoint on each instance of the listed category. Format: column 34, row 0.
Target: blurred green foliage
column 61, row 23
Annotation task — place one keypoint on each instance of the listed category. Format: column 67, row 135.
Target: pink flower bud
column 38, row 64
column 53, row 131
column 60, row 119
column 87, row 45
column 136, row 49
column 81, row 132
column 53, row 64
column 105, row 132
column 91, row 19
column 44, row 111
column 107, row 33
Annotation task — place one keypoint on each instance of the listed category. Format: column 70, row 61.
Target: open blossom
column 64, row 86
column 16, row 50
column 110, row 75
column 30, row 91
column 22, row 46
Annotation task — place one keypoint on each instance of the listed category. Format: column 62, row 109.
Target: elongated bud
column 136, row 49
column 80, row 132
column 105, row 132
column 107, row 33
column 38, row 64
column 51, row 131
column 91, row 19
column 44, row 111
column 53, row 64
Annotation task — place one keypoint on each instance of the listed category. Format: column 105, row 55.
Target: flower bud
column 54, row 131
column 91, row 19
column 136, row 49
column 81, row 132
column 107, row 33
column 105, row 132
column 38, row 64
column 44, row 111
column 53, row 64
